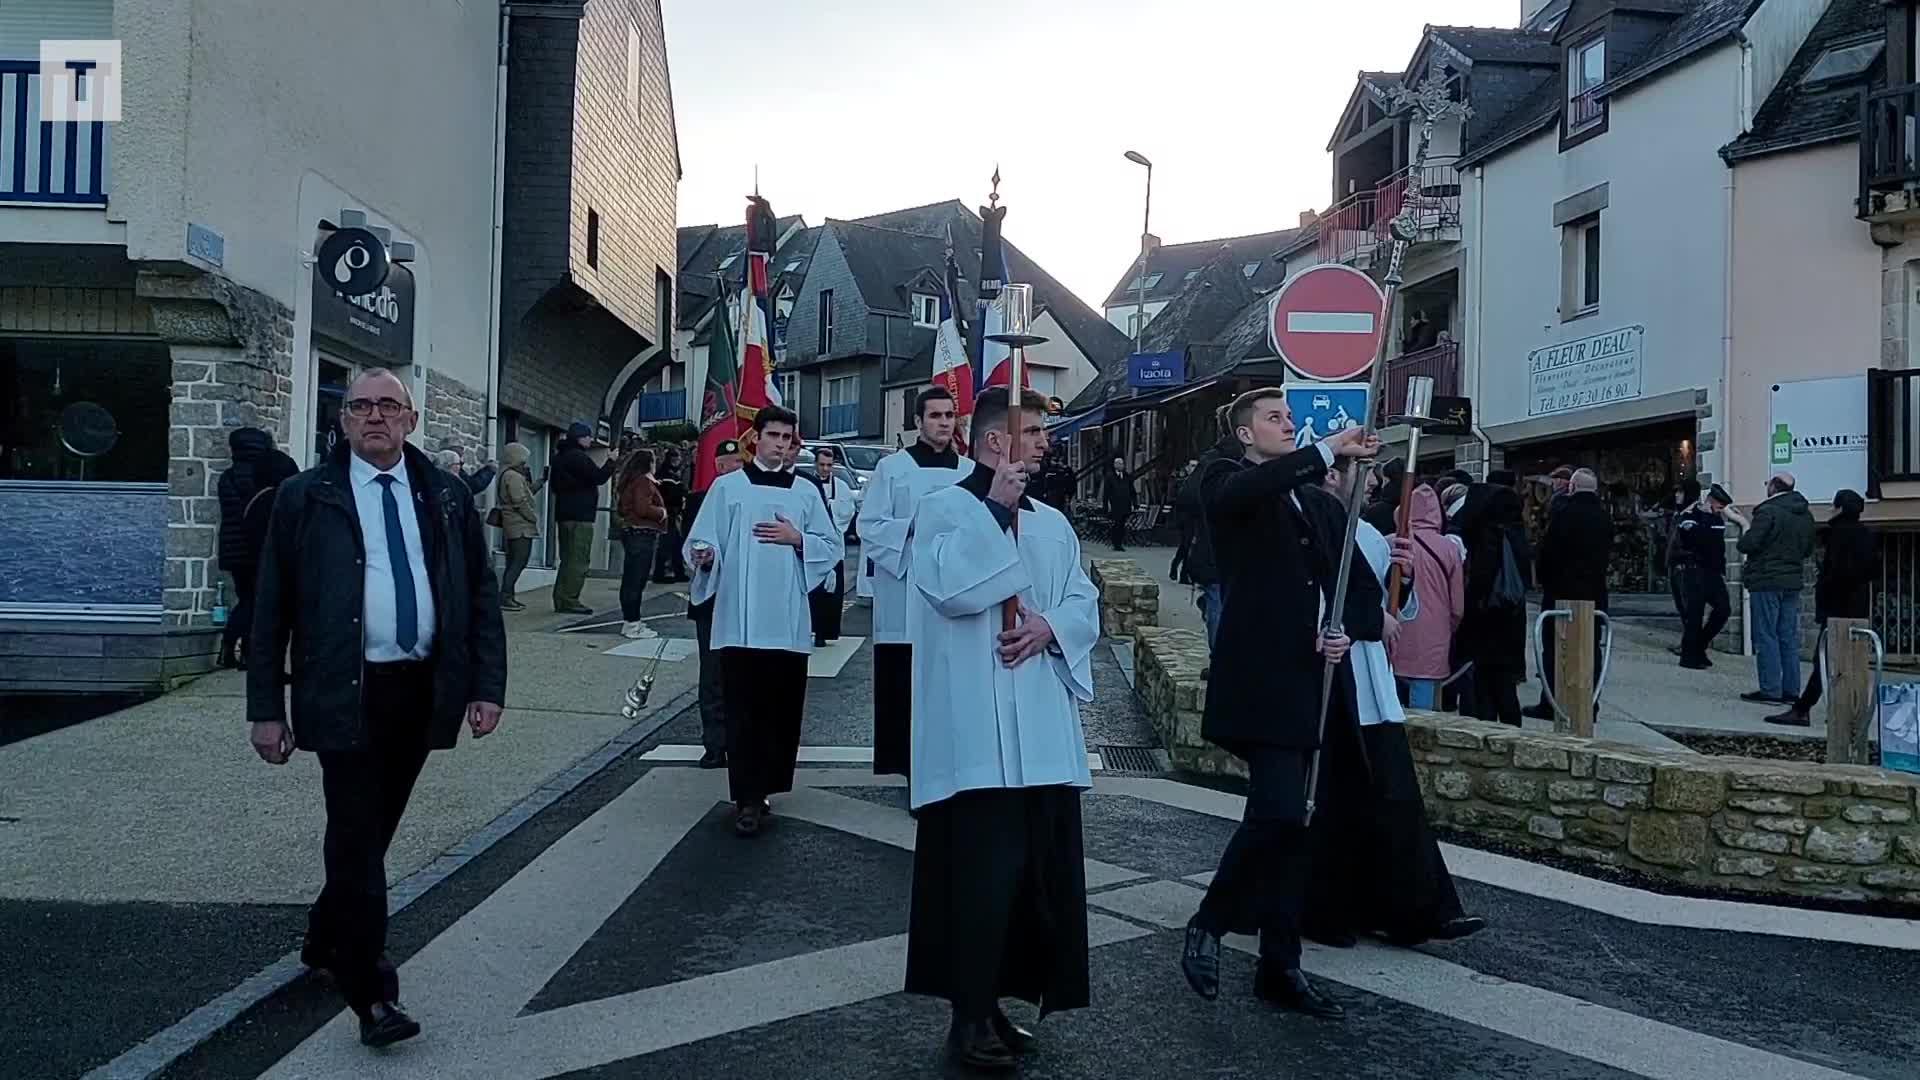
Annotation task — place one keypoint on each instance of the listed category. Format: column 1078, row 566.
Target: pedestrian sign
column 1320, row 409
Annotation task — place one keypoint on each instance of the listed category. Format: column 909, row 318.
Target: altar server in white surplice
column 999, row 759
column 1376, row 866
column 898, row 484
column 763, row 540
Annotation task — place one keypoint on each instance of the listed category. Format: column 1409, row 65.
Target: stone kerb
column 1129, row 596
column 1833, row 832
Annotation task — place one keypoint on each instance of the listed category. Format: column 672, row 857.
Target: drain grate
column 1140, row 759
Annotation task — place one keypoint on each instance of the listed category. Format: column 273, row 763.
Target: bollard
column 1850, row 690
column 1573, row 669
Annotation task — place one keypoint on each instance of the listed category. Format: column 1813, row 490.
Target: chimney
column 1308, row 218
column 1149, row 242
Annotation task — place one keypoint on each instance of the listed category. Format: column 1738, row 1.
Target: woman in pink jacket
column 1420, row 654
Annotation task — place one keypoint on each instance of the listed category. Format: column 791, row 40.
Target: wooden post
column 1849, row 694
column 1573, row 669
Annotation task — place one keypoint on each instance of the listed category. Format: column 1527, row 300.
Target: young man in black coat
column 1263, row 699
column 376, row 570
column 1573, row 558
column 1844, row 590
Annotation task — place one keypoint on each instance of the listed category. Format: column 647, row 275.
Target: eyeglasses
column 361, row 408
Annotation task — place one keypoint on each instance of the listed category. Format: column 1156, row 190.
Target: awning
column 1066, row 426
column 1124, row 407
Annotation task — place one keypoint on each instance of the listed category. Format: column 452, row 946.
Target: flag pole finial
column 993, row 197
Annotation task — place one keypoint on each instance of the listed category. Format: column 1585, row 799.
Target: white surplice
column 976, row 722
column 896, row 487
column 1374, row 687
column 839, row 499
column 761, row 589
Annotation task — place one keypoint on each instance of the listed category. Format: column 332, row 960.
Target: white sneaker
column 638, row 630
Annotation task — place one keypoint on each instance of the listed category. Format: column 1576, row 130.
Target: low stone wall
column 1129, row 596
column 1831, row 832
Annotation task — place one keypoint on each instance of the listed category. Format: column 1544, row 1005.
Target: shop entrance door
column 331, row 377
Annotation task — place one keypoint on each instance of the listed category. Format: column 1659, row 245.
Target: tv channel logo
column 79, row 81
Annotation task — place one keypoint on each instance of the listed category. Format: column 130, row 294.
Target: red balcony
column 1360, row 224
column 1441, row 363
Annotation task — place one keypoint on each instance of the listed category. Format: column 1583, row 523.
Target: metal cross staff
column 1430, row 99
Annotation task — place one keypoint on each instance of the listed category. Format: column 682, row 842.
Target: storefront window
column 331, row 378
column 84, row 410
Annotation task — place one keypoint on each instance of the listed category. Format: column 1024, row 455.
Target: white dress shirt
column 378, row 609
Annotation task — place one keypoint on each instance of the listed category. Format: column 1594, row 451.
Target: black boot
column 1017, row 1039
column 1200, row 960
column 972, row 1044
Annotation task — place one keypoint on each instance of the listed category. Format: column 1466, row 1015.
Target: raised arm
column 960, row 558
column 1235, row 492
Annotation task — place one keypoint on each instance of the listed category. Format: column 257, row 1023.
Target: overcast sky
column 853, row 107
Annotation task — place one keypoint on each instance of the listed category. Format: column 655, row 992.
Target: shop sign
column 1580, row 374
column 1451, row 416
column 1151, row 371
column 1817, row 430
column 378, row 325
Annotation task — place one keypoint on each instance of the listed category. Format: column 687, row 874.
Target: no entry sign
column 1325, row 322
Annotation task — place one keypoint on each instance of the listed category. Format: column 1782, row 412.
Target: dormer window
column 926, row 310
column 1586, row 70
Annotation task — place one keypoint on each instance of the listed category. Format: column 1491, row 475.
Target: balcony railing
column 1585, row 110
column 1441, row 363
column 661, row 405
column 843, row 419
column 1889, row 142
column 1352, row 229
column 59, row 164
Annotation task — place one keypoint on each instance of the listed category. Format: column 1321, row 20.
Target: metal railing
column 1889, row 141
column 660, row 405
column 1895, row 609
column 1584, row 111
column 842, row 419
column 1893, row 426
column 1441, row 363
column 58, row 164
column 1357, row 225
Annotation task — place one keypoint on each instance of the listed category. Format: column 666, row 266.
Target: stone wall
column 1834, row 832
column 1129, row 596
column 456, row 415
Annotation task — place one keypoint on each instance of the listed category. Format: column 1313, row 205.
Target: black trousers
column 1117, row 529
column 893, row 710
column 1810, row 694
column 825, row 604
column 367, row 792
column 240, row 618
column 1180, row 553
column 713, row 714
column 766, row 693
column 1262, row 880
column 638, row 545
column 1496, row 696
column 1701, row 591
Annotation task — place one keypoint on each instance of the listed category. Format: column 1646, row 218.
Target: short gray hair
column 447, row 459
column 1585, row 480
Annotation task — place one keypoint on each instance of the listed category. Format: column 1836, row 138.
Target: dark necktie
column 406, row 616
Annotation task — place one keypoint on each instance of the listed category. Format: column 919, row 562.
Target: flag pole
column 1431, row 101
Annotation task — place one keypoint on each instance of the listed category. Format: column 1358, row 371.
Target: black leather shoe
column 713, row 759
column 1458, row 927
column 973, row 1045
column 1792, row 717
column 746, row 821
column 1017, row 1039
column 1290, row 989
column 384, row 1024
column 1200, row 960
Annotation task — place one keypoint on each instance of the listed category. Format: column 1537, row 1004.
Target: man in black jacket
column 1700, row 550
column 1263, row 699
column 238, row 485
column 668, row 566
column 376, row 569
column 576, row 505
column 1844, row 590
column 1200, row 565
column 1573, row 560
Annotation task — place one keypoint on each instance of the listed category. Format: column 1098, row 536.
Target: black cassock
column 825, row 603
column 999, row 901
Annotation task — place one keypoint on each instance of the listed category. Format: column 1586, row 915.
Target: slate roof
column 1702, row 24
column 1175, row 261
column 1499, row 46
column 885, row 261
column 1209, row 321
column 1793, row 115
column 702, row 248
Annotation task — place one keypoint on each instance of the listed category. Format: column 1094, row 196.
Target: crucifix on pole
column 1430, row 102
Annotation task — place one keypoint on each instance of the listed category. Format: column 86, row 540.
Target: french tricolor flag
column 951, row 367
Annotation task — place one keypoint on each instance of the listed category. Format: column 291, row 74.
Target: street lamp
column 1140, row 280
